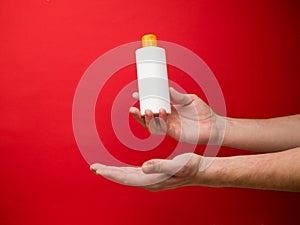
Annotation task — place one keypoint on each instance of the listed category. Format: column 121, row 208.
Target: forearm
column 273, row 171
column 263, row 135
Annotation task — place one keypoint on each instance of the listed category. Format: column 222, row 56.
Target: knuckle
column 193, row 96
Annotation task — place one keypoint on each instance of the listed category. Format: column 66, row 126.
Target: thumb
column 180, row 98
column 161, row 166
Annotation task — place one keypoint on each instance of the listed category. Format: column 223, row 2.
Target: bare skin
column 276, row 170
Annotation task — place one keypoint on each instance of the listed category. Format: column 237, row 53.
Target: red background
column 45, row 47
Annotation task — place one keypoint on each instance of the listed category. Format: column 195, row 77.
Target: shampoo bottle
column 152, row 76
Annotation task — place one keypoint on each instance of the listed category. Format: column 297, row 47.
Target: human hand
column 155, row 174
column 191, row 120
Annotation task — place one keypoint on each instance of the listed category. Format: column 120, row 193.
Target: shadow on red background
column 45, row 46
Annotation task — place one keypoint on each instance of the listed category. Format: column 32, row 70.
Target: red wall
column 45, row 46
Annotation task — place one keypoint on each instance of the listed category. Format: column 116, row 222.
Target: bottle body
column 153, row 82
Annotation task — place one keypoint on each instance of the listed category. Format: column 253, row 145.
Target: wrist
column 211, row 172
column 217, row 130
column 231, row 171
column 228, row 135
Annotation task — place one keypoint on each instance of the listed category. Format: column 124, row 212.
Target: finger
column 148, row 116
column 157, row 126
column 135, row 95
column 180, row 98
column 114, row 173
column 137, row 115
column 163, row 114
column 132, row 176
column 96, row 166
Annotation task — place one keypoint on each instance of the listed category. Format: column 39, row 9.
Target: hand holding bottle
column 191, row 119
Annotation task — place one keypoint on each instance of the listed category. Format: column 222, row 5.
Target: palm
column 190, row 119
column 156, row 174
column 189, row 122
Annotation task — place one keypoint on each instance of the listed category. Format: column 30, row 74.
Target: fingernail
column 148, row 112
column 92, row 167
column 96, row 166
column 162, row 110
column 131, row 110
column 148, row 168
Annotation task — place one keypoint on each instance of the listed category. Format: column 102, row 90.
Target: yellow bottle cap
column 149, row 40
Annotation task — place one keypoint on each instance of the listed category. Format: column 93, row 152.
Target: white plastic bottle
column 152, row 76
